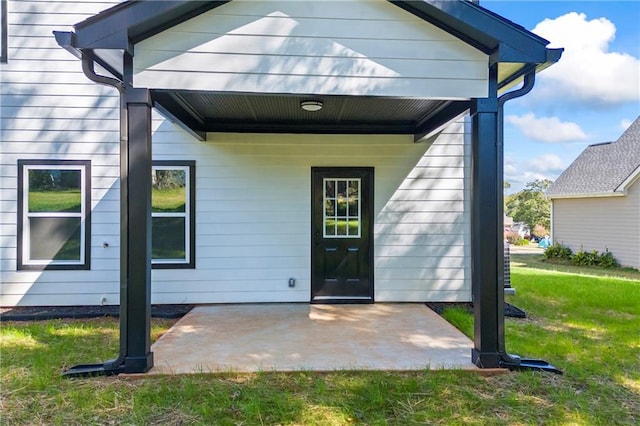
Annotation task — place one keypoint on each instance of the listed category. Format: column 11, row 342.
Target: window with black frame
column 54, row 214
column 173, row 214
column 4, row 31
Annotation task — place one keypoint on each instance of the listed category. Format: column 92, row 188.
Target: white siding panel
column 601, row 223
column 253, row 191
column 341, row 48
column 50, row 110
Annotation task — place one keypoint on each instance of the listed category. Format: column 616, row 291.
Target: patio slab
column 294, row 337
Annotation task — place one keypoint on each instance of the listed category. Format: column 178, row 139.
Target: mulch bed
column 509, row 310
column 39, row 313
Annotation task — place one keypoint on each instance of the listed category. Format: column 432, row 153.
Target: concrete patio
column 292, row 337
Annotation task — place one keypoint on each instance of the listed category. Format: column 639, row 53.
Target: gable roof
column 130, row 22
column 106, row 36
column 602, row 169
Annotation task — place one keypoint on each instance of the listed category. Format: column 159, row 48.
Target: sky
column 590, row 96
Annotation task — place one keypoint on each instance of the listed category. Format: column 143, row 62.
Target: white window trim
column 324, row 210
column 26, row 229
column 186, row 215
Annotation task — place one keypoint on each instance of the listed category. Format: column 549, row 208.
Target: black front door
column 342, row 235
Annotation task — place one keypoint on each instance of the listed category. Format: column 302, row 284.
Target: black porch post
column 487, row 246
column 135, row 234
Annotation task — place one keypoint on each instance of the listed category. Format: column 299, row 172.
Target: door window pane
column 342, row 208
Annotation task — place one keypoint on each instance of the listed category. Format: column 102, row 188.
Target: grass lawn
column 538, row 261
column 586, row 325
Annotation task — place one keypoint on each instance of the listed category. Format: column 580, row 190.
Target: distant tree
column 531, row 205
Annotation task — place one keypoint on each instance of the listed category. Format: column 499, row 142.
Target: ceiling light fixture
column 311, row 106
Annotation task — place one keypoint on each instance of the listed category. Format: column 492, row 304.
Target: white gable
column 357, row 47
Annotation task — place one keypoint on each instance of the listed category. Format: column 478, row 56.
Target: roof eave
column 125, row 24
column 630, row 180
column 588, row 195
column 553, row 56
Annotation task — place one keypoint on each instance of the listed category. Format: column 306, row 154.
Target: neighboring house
column 297, row 151
column 595, row 203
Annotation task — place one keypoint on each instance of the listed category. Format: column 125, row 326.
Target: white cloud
column 546, row 163
column 520, row 173
column 547, row 129
column 587, row 71
column 625, row 123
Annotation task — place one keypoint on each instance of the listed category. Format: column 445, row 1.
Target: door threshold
column 341, row 300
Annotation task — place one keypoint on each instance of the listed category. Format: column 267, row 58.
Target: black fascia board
column 123, row 25
column 481, row 29
column 128, row 23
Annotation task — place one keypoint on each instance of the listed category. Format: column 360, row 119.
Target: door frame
column 367, row 229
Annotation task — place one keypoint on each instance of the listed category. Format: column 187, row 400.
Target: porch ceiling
column 247, row 112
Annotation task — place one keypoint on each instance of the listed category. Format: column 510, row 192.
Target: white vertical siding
column 357, row 47
column 601, row 223
column 49, row 110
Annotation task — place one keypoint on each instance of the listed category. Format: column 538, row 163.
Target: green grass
column 538, row 261
column 585, row 325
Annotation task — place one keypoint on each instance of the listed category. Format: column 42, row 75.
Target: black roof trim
column 125, row 24
column 480, row 28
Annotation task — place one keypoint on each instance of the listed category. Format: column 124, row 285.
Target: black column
column 487, row 235
column 135, row 234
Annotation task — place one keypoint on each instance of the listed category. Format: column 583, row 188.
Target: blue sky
column 589, row 97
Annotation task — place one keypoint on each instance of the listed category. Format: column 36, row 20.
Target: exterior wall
column 599, row 223
column 357, row 47
column 253, row 221
column 253, row 191
column 49, row 110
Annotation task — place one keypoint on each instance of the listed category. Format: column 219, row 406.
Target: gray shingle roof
column 601, row 168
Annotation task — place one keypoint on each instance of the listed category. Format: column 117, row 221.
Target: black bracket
column 108, row 368
column 523, row 364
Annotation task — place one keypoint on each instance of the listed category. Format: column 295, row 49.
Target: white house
column 298, row 151
column 595, row 203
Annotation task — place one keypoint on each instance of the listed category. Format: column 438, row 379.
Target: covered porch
column 479, row 56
